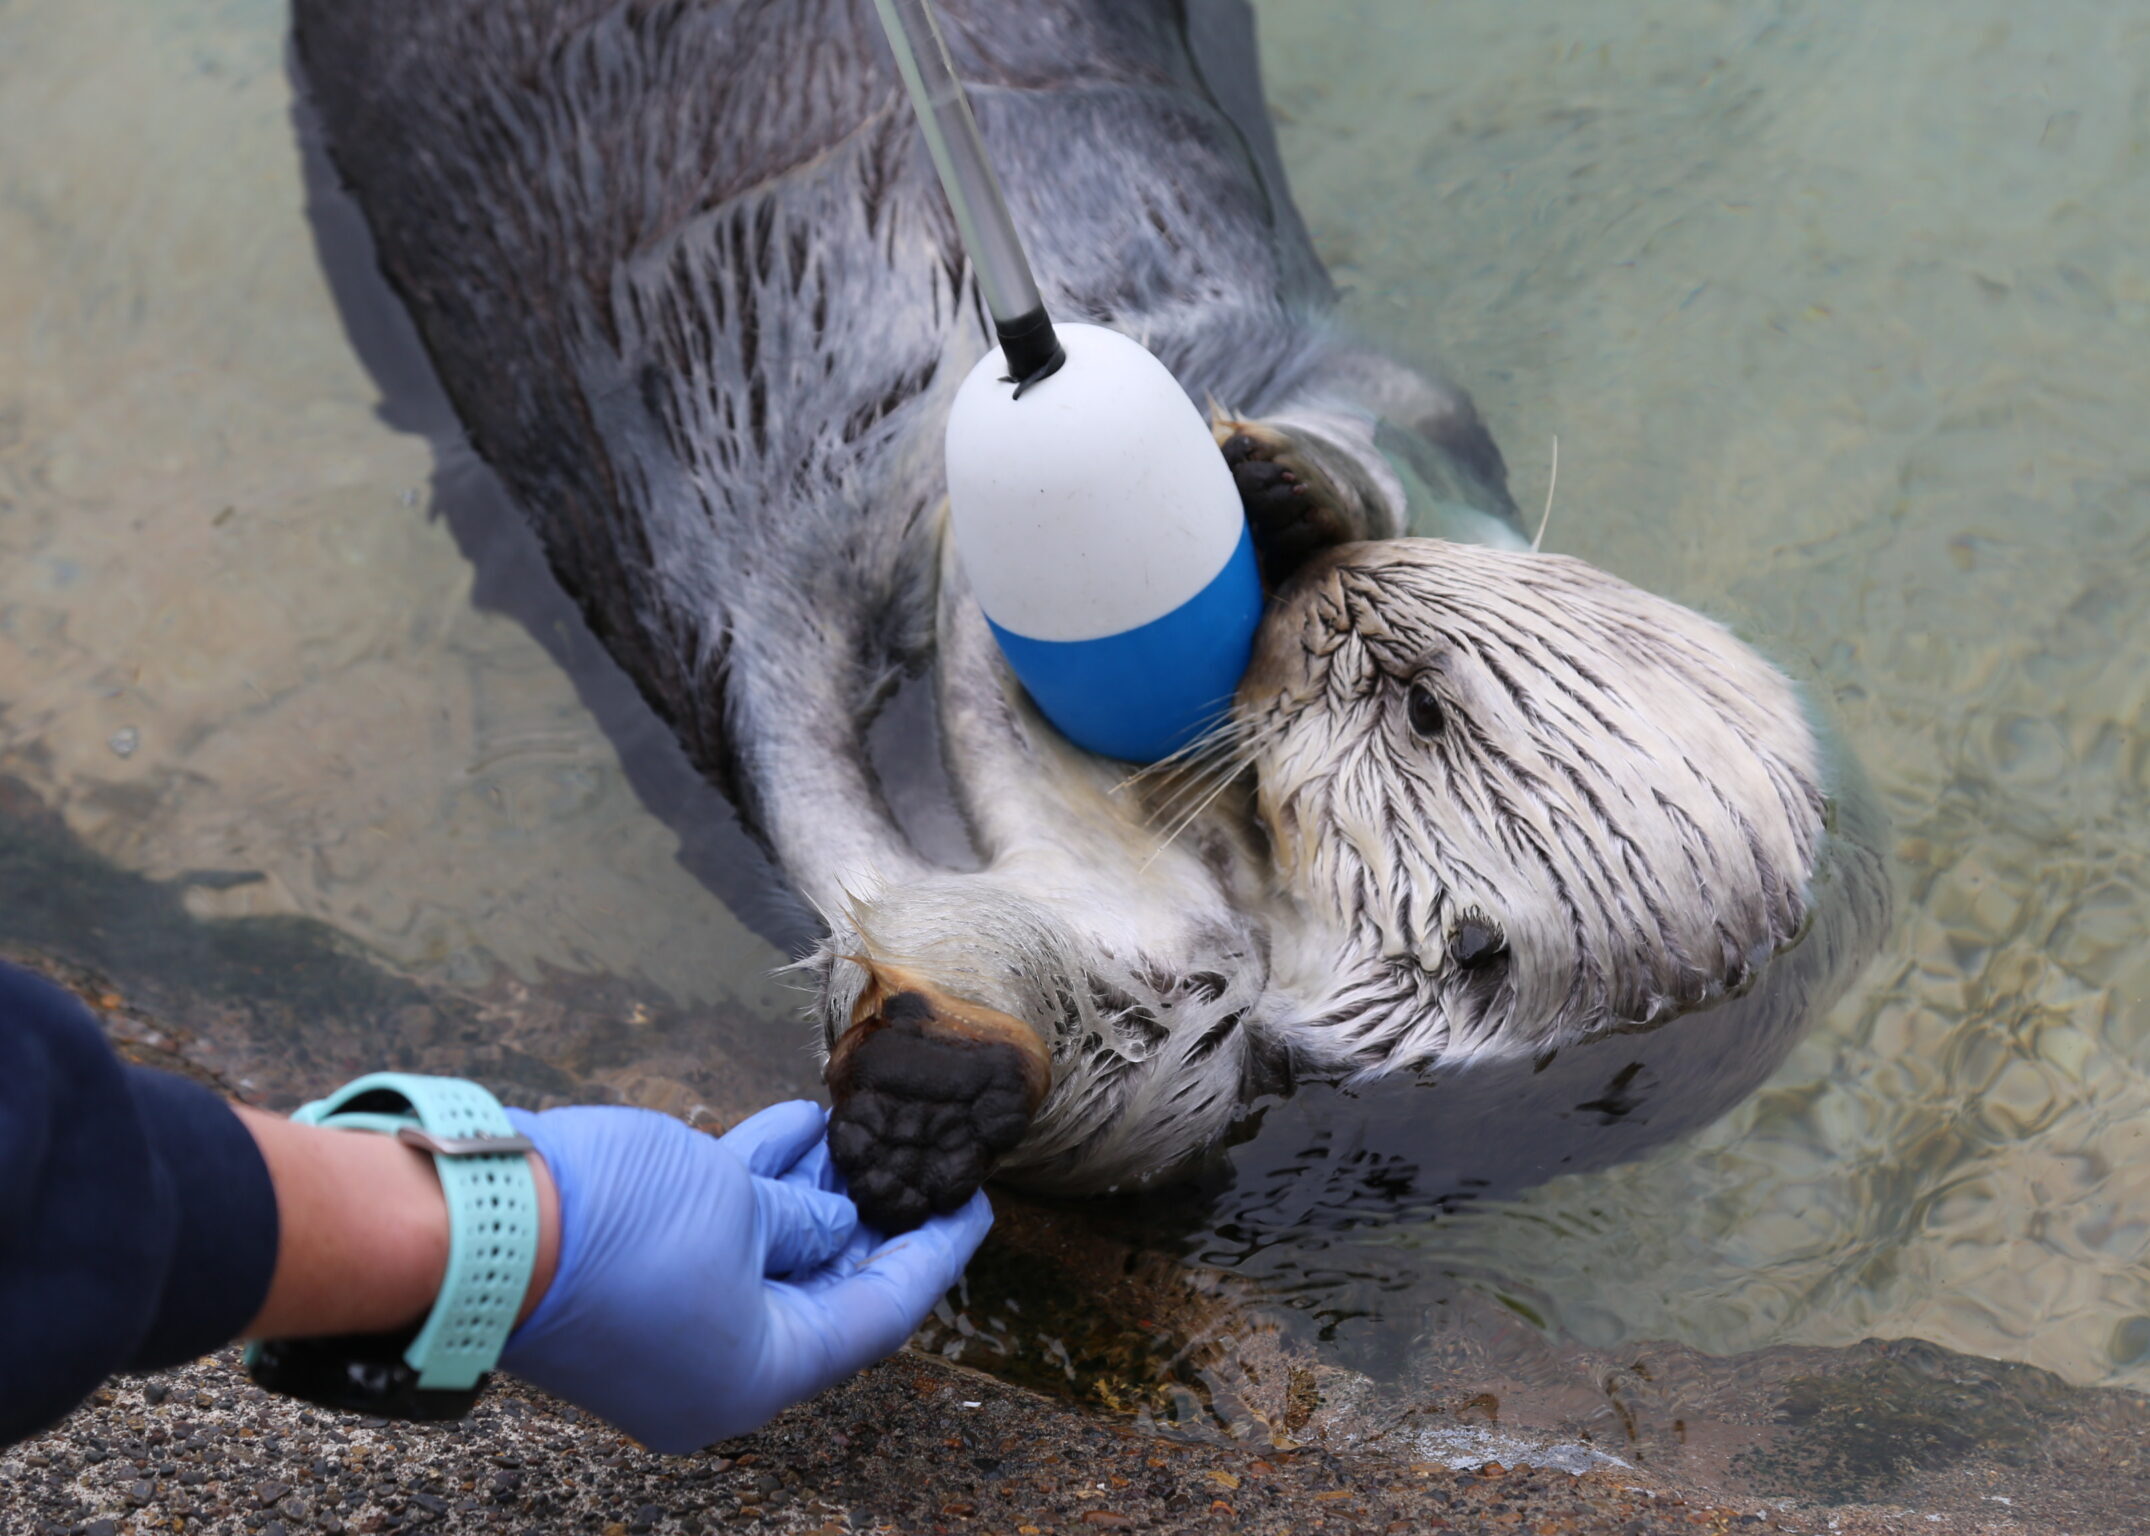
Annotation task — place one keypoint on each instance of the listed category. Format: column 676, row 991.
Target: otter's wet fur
column 686, row 275
column 1534, row 803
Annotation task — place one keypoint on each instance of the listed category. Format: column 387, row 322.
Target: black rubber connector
column 1032, row 350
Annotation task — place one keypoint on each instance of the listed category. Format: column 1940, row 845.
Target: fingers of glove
column 771, row 1141
column 864, row 1240
column 962, row 1230
column 880, row 1304
column 815, row 1169
column 803, row 1228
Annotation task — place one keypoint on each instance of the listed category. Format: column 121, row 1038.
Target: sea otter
column 685, row 272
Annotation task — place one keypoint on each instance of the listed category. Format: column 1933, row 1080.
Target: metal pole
column 988, row 234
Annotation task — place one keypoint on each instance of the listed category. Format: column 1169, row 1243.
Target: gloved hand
column 704, row 1283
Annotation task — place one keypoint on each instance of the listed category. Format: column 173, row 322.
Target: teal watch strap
column 492, row 1211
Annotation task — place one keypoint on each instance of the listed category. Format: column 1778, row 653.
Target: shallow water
column 1841, row 315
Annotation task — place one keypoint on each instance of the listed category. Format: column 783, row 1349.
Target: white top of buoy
column 1096, row 503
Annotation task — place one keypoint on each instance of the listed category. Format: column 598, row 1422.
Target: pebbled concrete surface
column 913, row 1445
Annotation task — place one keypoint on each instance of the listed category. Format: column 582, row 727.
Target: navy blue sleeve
column 137, row 1222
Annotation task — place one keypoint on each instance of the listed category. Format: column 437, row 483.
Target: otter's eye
column 1476, row 940
column 1428, row 718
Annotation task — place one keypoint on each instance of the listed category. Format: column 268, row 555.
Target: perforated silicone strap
column 492, row 1214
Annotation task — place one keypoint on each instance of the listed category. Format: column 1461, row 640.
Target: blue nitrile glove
column 704, row 1284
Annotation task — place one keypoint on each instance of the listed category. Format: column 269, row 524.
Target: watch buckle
column 462, row 1146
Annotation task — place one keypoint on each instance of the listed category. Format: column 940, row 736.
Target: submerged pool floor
column 1841, row 315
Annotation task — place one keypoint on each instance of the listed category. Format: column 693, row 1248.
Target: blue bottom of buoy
column 1146, row 692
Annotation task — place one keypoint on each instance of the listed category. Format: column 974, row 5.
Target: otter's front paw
column 1290, row 512
column 930, row 1093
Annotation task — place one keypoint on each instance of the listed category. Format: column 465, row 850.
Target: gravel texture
column 913, row 1445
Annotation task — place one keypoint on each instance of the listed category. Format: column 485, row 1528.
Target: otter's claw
column 1290, row 519
column 930, row 1092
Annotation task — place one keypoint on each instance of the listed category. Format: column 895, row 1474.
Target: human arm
column 687, row 1288
column 363, row 1242
column 137, row 1222
column 144, row 1221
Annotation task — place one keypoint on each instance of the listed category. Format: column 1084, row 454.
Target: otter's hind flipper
column 931, row 1092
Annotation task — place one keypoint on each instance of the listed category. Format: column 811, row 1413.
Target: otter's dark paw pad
column 1270, row 492
column 930, row 1094
column 1289, row 522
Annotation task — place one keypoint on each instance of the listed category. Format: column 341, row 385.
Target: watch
column 437, row 1368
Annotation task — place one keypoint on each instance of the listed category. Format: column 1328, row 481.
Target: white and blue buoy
column 1092, row 511
column 1105, row 540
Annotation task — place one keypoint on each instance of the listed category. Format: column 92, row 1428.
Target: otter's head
column 1531, row 802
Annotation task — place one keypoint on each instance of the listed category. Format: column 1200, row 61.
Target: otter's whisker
column 1226, row 726
column 1222, row 744
column 1203, row 787
column 1224, row 761
column 1552, row 478
column 1222, row 733
column 1197, row 791
column 1192, row 775
column 1224, row 782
